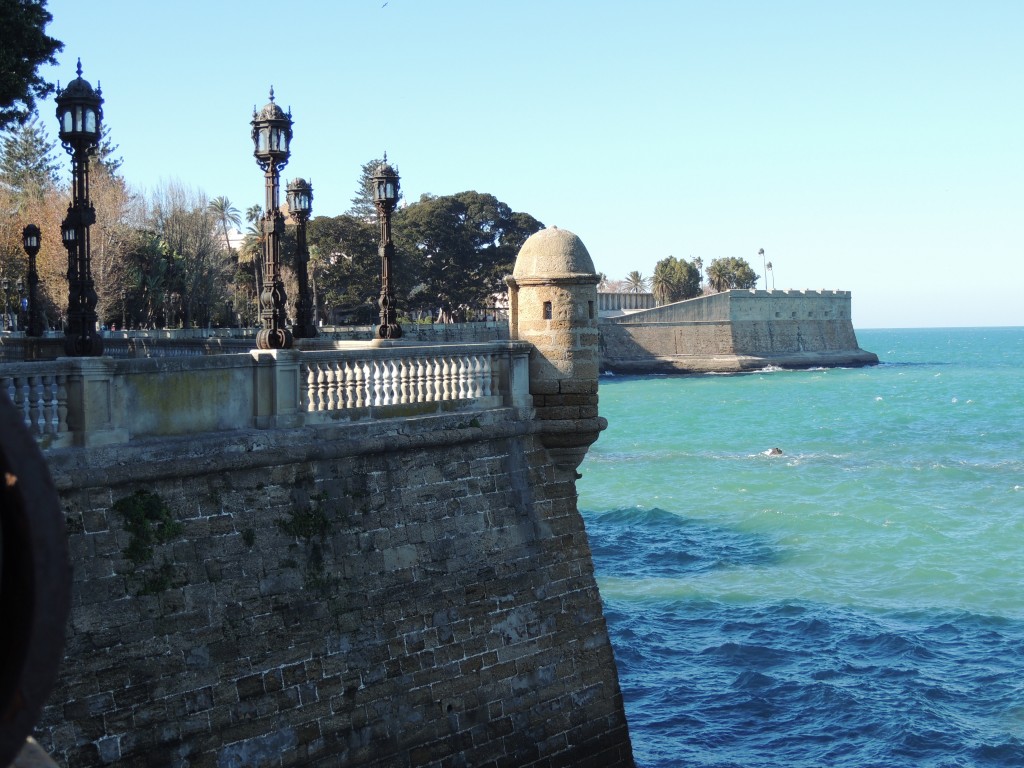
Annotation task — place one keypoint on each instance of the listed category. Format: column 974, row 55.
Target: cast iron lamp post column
column 271, row 135
column 300, row 205
column 385, row 197
column 80, row 114
column 30, row 238
column 7, row 304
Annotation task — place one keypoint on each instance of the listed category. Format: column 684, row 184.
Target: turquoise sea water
column 856, row 601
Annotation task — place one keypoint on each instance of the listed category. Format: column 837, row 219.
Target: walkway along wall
column 735, row 331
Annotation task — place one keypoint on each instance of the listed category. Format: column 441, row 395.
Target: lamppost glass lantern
column 79, row 112
column 271, row 135
column 69, row 233
column 300, row 198
column 30, row 239
column 385, row 184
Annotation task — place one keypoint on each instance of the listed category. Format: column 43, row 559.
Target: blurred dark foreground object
column 35, row 584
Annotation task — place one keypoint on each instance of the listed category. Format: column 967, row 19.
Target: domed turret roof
column 78, row 88
column 553, row 253
column 271, row 111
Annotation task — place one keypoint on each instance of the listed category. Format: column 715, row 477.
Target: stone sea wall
column 383, row 593
column 735, row 331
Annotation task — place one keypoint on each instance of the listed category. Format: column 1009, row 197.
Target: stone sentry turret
column 553, row 305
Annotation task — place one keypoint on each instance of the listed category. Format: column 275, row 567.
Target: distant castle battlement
column 735, row 330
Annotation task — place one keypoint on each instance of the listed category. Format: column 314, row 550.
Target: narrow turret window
column 547, row 310
column 590, row 308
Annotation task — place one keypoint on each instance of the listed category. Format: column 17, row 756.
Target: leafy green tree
column 27, row 163
column 674, row 280
column 731, row 272
column 635, row 282
column 454, row 251
column 25, row 47
column 345, row 266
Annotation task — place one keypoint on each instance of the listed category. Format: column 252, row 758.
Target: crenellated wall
column 735, row 331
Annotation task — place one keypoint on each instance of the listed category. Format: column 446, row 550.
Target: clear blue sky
column 872, row 146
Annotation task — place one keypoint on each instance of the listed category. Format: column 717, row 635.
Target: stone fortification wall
column 413, row 592
column 736, row 331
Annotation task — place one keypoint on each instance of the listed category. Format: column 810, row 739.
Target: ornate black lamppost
column 300, row 205
column 271, row 135
column 80, row 114
column 30, row 238
column 385, row 197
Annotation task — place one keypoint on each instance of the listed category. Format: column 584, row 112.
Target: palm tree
column 252, row 246
column 719, row 276
column 662, row 282
column 226, row 214
column 635, row 282
column 769, row 268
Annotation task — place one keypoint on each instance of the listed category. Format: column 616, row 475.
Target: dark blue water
column 856, row 602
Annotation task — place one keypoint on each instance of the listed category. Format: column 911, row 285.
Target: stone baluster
column 350, row 387
column 360, row 383
column 463, row 378
column 403, row 365
column 421, row 389
column 446, row 383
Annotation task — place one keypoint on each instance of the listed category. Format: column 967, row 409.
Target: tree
column 27, row 165
column 26, row 47
column 454, row 251
column 362, row 204
column 226, row 214
column 635, row 282
column 103, row 157
column 675, row 280
column 345, row 267
column 198, row 267
column 731, row 272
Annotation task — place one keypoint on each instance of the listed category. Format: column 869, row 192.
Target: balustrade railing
column 95, row 401
column 402, row 377
column 39, row 393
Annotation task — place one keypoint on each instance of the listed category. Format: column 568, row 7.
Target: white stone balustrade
column 102, row 401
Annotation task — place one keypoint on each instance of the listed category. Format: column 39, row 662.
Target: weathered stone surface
column 384, row 593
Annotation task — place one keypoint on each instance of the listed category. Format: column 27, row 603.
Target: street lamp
column 300, row 205
column 271, row 135
column 31, row 238
column 385, row 197
column 80, row 115
column 765, row 266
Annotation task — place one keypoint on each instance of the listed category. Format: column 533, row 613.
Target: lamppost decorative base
column 389, row 331
column 84, row 346
column 274, row 338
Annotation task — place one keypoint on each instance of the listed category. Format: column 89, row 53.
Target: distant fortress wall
column 735, row 330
